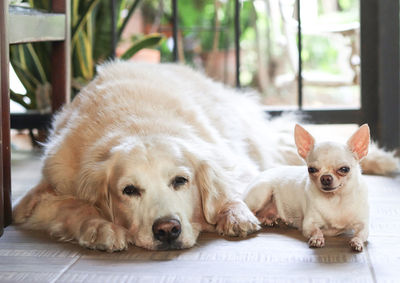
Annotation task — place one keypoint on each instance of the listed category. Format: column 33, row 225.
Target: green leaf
column 102, row 40
column 74, row 12
column 37, row 63
column 147, row 41
column 40, row 4
column 26, row 77
column 83, row 18
column 85, row 58
column 19, row 98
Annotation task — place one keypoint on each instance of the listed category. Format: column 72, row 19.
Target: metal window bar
column 175, row 29
column 113, row 29
column 299, row 46
column 237, row 41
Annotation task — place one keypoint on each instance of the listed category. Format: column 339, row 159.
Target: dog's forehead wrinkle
column 330, row 153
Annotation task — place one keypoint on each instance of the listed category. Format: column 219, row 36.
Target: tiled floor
column 273, row 255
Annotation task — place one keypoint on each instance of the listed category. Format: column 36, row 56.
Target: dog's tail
column 380, row 162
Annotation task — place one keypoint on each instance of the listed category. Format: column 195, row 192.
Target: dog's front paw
column 316, row 241
column 235, row 219
column 356, row 244
column 103, row 235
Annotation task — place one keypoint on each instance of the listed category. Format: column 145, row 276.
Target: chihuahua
column 328, row 197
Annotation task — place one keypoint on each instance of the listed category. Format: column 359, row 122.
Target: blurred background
column 299, row 55
column 206, row 40
column 268, row 46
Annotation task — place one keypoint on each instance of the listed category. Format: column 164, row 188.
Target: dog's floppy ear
column 359, row 142
column 93, row 185
column 212, row 186
column 304, row 141
column 215, row 187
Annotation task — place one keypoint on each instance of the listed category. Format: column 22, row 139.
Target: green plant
column 320, row 54
column 90, row 45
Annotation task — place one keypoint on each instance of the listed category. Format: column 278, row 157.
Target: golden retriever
column 152, row 155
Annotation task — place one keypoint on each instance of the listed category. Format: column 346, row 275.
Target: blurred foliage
column 205, row 26
column 197, row 24
column 349, row 5
column 319, row 54
column 90, row 45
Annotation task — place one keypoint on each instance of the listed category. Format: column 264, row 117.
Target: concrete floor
column 273, row 255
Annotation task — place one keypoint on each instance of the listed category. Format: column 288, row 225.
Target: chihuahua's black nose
column 326, row 180
column 166, row 230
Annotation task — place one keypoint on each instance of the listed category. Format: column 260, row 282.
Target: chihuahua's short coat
column 328, row 197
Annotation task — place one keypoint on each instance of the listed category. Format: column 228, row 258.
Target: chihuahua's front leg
column 316, row 239
column 313, row 233
column 361, row 232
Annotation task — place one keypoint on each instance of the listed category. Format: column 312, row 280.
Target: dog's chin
column 176, row 245
column 330, row 189
column 170, row 246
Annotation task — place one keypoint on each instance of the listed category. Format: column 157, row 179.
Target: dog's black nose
column 166, row 230
column 326, row 180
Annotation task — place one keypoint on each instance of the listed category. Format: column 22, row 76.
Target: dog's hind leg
column 24, row 209
column 69, row 219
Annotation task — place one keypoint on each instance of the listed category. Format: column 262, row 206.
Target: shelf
column 29, row 25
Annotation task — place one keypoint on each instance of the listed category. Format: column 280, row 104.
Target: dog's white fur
column 143, row 125
column 328, row 200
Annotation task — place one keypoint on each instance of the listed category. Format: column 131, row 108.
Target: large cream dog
column 152, row 155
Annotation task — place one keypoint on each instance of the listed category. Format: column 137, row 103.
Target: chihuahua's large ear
column 359, row 142
column 304, row 141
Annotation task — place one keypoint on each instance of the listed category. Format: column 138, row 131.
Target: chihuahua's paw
column 356, row 244
column 316, row 242
column 268, row 221
column 268, row 215
column 235, row 219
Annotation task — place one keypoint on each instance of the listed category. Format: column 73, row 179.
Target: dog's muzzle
column 326, row 180
column 167, row 231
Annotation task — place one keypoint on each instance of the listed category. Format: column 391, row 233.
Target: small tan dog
column 329, row 199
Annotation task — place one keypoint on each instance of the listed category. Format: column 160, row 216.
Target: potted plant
column 90, row 45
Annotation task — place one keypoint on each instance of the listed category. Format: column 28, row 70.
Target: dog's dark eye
column 179, row 181
column 131, row 190
column 312, row 170
column 344, row 170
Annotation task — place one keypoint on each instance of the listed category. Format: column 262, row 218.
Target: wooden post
column 2, row 44
column 61, row 60
column 5, row 173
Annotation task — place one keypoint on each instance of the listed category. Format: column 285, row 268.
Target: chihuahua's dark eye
column 131, row 190
column 179, row 181
column 312, row 170
column 344, row 170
